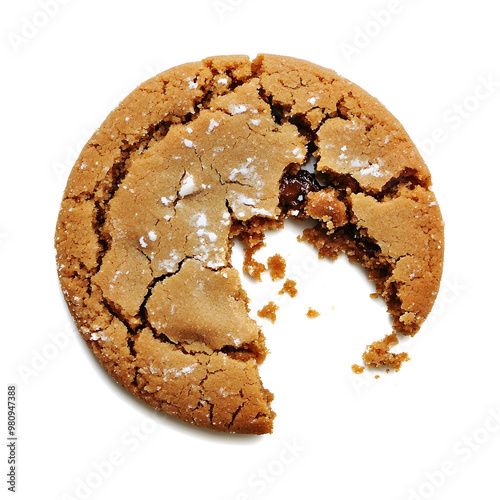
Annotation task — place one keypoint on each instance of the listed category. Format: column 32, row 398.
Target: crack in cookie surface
column 198, row 155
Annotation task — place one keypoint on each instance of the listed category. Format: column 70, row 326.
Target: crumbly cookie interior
column 215, row 150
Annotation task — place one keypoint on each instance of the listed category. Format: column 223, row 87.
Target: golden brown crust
column 195, row 156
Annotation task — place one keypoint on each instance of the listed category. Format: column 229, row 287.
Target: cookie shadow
column 167, row 421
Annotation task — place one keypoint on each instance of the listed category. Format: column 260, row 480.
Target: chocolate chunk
column 295, row 188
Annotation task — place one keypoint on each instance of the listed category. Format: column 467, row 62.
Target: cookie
column 209, row 151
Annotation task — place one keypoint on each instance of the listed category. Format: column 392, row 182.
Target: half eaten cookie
column 208, row 151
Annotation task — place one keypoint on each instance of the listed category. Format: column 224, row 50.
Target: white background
column 428, row 431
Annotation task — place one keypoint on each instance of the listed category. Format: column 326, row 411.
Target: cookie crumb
column 358, row 369
column 277, row 266
column 374, row 295
column 377, row 354
column 251, row 266
column 312, row 313
column 290, row 287
column 377, row 377
column 268, row 311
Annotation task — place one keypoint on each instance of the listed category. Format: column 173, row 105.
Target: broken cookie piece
column 325, row 206
column 377, row 354
column 268, row 311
